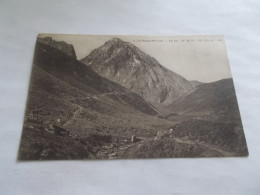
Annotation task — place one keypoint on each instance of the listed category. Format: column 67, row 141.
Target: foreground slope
column 65, row 93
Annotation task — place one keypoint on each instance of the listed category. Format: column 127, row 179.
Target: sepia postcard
column 128, row 97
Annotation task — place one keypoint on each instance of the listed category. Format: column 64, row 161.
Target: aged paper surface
column 114, row 96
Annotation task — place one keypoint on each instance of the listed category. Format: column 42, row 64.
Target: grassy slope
column 84, row 112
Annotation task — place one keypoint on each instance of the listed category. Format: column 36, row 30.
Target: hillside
column 95, row 111
column 216, row 98
column 71, row 71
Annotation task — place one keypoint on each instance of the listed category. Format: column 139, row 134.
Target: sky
column 200, row 57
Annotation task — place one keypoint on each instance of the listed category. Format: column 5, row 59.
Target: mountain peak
column 132, row 68
column 116, row 40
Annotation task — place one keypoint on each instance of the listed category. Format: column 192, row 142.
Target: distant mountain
column 195, row 83
column 127, row 65
column 217, row 97
column 60, row 45
column 53, row 59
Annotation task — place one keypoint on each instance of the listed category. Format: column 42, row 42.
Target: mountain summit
column 127, row 65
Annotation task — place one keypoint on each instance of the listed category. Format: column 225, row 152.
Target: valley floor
column 41, row 142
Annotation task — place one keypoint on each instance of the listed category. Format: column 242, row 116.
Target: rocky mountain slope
column 59, row 45
column 127, row 65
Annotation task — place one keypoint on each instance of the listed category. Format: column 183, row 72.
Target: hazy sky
column 201, row 58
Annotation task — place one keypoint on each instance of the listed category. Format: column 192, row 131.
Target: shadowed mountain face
column 66, row 68
column 130, row 67
column 217, row 97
